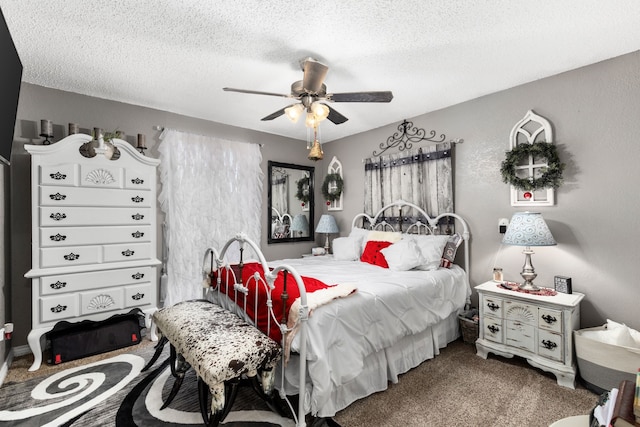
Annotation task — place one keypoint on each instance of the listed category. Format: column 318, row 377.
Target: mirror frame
column 310, row 170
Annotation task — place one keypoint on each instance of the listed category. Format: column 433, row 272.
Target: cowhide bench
column 220, row 347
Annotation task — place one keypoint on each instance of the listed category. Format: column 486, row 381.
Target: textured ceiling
column 177, row 55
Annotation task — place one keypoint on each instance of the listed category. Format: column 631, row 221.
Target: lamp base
column 326, row 245
column 528, row 273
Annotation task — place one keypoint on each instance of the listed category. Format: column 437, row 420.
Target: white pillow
column 360, row 234
column 403, row 255
column 347, row 248
column 431, row 248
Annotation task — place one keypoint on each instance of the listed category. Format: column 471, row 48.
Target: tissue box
column 603, row 366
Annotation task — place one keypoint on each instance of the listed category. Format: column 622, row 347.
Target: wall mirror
column 290, row 198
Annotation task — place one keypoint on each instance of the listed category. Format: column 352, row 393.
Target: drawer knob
column 58, row 237
column 137, row 276
column 137, row 199
column 137, row 234
column 58, row 285
column 494, row 329
column 58, row 216
column 549, row 319
column 128, row 252
column 137, row 217
column 493, row 306
column 137, row 181
column 58, row 308
column 58, row 176
column 71, row 257
column 57, row 196
column 137, row 297
column 549, row 345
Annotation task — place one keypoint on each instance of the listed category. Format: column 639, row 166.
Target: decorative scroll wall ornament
column 100, row 176
column 407, row 135
column 537, row 162
column 334, row 187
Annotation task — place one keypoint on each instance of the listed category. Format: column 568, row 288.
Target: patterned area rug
column 114, row 392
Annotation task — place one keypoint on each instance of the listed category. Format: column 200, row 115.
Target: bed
column 382, row 320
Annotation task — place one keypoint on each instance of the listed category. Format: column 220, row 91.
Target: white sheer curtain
column 211, row 190
column 422, row 176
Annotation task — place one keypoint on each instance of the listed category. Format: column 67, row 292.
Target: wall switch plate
column 503, row 223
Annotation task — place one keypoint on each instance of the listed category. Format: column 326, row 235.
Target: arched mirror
column 290, row 198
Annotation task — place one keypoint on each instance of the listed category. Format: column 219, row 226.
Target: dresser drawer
column 492, row 306
column 60, row 175
column 75, row 236
column 59, row 284
column 493, row 329
column 550, row 345
column 519, row 311
column 103, row 176
column 101, row 300
column 127, row 252
column 550, row 320
column 69, row 256
column 138, row 295
column 82, row 196
column 58, row 307
column 135, row 178
column 66, row 216
column 520, row 335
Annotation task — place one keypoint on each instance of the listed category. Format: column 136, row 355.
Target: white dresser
column 93, row 233
column 538, row 328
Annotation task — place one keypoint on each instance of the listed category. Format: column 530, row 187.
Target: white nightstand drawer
column 137, row 179
column 58, row 307
column 69, row 256
column 101, row 300
column 492, row 306
column 550, row 320
column 493, row 329
column 63, row 175
column 550, row 345
column 138, row 295
column 520, row 335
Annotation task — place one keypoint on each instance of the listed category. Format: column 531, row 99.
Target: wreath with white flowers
column 552, row 173
column 303, row 189
column 335, row 178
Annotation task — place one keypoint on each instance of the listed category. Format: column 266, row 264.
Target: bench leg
column 179, row 368
column 230, row 392
column 159, row 347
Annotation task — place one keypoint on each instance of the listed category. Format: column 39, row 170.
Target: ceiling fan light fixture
column 311, row 121
column 320, row 110
column 294, row 112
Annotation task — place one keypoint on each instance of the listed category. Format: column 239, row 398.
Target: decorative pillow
column 372, row 254
column 450, row 250
column 431, row 249
column 360, row 234
column 384, row 236
column 347, row 248
column 403, row 255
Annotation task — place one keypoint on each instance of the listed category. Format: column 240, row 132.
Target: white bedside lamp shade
column 300, row 224
column 327, row 225
column 528, row 229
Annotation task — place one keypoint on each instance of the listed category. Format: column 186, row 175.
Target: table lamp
column 299, row 225
column 327, row 225
column 528, row 229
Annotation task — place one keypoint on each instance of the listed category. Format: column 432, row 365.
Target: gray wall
column 595, row 113
column 61, row 107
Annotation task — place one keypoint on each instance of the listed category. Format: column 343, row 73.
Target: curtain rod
column 162, row 129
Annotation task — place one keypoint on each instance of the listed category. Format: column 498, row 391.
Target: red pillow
column 372, row 254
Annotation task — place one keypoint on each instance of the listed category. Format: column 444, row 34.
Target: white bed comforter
column 387, row 306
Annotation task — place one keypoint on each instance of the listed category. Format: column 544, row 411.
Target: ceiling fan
column 312, row 94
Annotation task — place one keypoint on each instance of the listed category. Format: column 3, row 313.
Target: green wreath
column 337, row 192
column 303, row 189
column 552, row 173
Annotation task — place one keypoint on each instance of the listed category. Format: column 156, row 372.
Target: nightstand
column 536, row 327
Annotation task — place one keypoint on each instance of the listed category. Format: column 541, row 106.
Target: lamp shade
column 528, row 229
column 327, row 224
column 300, row 224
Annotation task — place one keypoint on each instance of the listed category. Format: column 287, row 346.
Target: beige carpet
column 458, row 388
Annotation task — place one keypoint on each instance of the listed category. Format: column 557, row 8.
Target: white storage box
column 603, row 366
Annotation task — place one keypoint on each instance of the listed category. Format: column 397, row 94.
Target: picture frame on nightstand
column 562, row 284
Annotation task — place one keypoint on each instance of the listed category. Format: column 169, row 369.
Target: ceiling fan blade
column 256, row 92
column 381, row 96
column 274, row 115
column 314, row 74
column 334, row 116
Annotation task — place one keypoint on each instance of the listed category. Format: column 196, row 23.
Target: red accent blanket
column 248, row 272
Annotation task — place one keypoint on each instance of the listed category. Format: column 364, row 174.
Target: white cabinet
column 536, row 327
column 93, row 234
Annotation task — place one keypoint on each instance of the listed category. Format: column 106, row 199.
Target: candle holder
column 141, row 143
column 74, row 128
column 46, row 131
